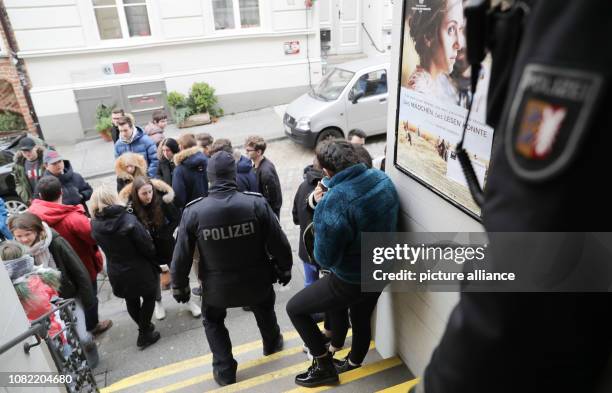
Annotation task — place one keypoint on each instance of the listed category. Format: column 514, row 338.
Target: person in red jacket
column 74, row 226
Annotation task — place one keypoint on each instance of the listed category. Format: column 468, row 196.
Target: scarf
column 40, row 250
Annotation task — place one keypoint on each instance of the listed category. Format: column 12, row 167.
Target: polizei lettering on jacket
column 229, row 232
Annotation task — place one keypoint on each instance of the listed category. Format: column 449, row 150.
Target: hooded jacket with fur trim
column 189, row 180
column 22, row 184
column 140, row 144
column 163, row 236
column 121, row 164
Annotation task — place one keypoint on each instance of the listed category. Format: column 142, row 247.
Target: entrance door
column 348, row 26
column 343, row 19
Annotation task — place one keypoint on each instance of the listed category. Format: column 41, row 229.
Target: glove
column 182, row 295
column 284, row 277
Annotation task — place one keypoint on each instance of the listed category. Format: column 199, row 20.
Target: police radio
column 483, row 28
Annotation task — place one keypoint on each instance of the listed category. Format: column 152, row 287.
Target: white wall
column 418, row 319
column 13, row 323
column 59, row 41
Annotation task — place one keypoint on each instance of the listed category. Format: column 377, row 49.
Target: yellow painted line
column 402, row 387
column 353, row 375
column 184, row 365
column 253, row 363
column 274, row 375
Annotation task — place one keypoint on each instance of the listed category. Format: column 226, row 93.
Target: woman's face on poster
column 451, row 35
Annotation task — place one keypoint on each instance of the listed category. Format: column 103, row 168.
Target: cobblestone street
column 182, row 335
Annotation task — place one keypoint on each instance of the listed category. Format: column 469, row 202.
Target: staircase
column 274, row 373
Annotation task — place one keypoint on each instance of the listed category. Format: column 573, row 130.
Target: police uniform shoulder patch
column 194, row 201
column 252, row 193
column 548, row 119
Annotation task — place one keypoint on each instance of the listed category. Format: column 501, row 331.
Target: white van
column 351, row 96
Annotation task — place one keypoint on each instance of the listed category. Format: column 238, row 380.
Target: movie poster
column 433, row 99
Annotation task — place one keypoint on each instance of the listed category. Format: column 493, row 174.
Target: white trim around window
column 117, row 14
column 237, row 18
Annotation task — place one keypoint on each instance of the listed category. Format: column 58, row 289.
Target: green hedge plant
column 10, row 121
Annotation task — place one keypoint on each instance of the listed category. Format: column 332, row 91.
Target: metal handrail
column 371, row 39
column 38, row 328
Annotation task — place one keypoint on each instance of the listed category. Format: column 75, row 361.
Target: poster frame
column 397, row 165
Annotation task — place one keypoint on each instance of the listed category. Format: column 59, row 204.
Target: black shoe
column 278, row 346
column 322, row 372
column 147, row 337
column 226, row 377
column 197, row 291
column 221, row 381
column 343, row 365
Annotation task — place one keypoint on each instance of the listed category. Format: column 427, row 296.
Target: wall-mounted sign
column 122, row 67
column 292, row 47
column 432, row 102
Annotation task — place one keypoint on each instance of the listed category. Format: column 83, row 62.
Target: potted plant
column 104, row 123
column 195, row 109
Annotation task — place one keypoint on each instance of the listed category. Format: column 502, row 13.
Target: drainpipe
column 20, row 66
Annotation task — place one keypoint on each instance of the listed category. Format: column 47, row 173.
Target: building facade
column 131, row 53
column 12, row 92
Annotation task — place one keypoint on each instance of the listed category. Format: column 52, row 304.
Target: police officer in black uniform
column 552, row 142
column 243, row 251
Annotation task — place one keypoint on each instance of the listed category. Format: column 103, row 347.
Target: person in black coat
column 243, row 250
column 267, row 178
column 165, row 152
column 189, row 180
column 75, row 190
column 245, row 177
column 152, row 201
column 130, row 254
column 302, row 216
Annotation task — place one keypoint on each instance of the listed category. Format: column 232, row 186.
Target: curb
column 104, row 173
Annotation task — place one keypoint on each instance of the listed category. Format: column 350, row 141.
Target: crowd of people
column 197, row 205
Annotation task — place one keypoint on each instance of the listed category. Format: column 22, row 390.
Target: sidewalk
column 94, row 158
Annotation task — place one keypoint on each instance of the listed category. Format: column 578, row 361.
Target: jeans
column 219, row 339
column 331, row 294
column 141, row 312
column 311, row 273
column 91, row 313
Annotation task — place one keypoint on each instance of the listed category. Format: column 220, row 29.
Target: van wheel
column 329, row 133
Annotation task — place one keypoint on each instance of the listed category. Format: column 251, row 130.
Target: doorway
column 343, row 19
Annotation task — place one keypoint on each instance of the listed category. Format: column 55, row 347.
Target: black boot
column 278, row 346
column 227, row 376
column 147, row 336
column 322, row 372
column 343, row 365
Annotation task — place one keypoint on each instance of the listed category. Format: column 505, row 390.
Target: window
column 230, row 14
column 332, row 84
column 371, row 84
column 122, row 18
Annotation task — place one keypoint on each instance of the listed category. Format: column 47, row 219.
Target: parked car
column 351, row 96
column 8, row 148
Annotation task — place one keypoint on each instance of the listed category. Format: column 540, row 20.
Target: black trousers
column 219, row 339
column 332, row 295
column 91, row 314
column 141, row 311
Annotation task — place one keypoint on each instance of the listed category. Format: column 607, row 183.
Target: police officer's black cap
column 221, row 165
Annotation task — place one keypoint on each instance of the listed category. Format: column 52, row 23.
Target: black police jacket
column 237, row 235
column 537, row 342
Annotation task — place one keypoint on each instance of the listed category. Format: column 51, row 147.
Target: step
column 256, row 373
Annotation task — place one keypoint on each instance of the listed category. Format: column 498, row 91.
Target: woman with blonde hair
column 132, row 269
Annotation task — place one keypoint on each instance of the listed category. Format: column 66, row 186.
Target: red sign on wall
column 121, row 68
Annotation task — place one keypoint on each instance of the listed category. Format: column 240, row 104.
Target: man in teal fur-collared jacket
column 356, row 199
